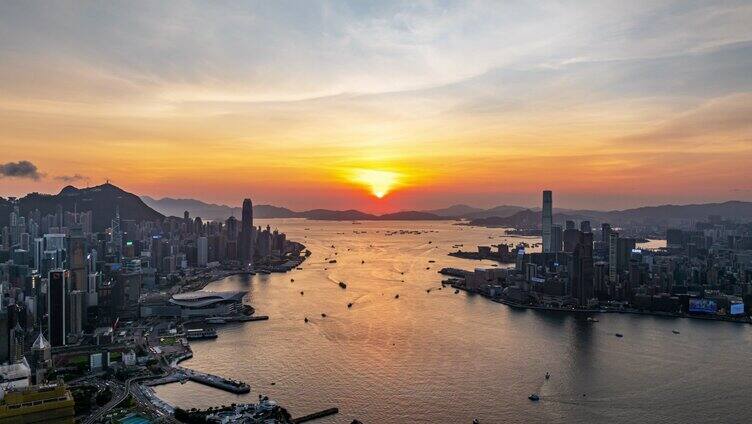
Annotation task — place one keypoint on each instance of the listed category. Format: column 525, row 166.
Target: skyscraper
column 246, row 233
column 548, row 219
column 585, row 227
column 56, row 300
column 581, row 268
column 202, row 251
column 557, row 237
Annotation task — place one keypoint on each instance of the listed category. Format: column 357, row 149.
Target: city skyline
column 380, row 107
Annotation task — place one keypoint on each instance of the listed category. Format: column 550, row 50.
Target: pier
column 226, row 384
column 182, row 375
column 315, row 415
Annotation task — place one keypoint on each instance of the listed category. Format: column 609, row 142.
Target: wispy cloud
column 71, row 178
column 20, row 169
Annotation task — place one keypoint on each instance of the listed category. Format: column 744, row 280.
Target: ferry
column 534, row 397
column 333, row 261
column 619, row 335
column 200, row 333
column 675, row 331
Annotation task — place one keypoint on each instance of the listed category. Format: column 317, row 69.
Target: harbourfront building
column 208, row 304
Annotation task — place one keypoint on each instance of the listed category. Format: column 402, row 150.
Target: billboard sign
column 703, row 306
column 737, row 309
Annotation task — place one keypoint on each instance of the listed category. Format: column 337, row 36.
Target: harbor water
column 433, row 356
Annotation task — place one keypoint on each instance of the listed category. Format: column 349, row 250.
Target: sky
column 380, row 106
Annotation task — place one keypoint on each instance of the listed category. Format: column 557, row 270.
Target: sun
column 378, row 181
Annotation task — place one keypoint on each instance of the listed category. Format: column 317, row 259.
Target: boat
column 216, row 320
column 456, row 291
column 534, row 397
column 343, row 285
column 349, row 305
column 301, row 292
column 362, row 262
column 333, row 261
column 475, row 421
column 591, row 319
column 292, row 280
column 675, row 331
column 200, row 333
column 619, row 335
column 396, row 296
column 323, row 315
column 431, row 261
column 428, row 290
column 548, row 375
column 305, row 319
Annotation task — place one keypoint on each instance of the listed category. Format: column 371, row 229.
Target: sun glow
column 379, row 182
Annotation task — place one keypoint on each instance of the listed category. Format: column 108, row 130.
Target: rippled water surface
column 441, row 357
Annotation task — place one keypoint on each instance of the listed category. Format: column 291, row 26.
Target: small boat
column 534, row 397
column 305, row 319
column 456, row 291
column 675, row 331
column 428, row 290
column 301, row 292
column 431, row 261
column 349, row 305
column 619, row 335
column 333, row 261
column 323, row 315
column 428, row 267
column 343, row 285
column 362, row 262
column 396, row 296
column 591, row 319
column 292, row 280
column 475, row 421
column 548, row 375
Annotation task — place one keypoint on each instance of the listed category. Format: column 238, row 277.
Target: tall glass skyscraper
column 548, row 220
column 246, row 233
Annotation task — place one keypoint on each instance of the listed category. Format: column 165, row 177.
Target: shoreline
column 513, row 304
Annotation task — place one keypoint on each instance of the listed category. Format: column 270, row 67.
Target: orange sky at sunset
column 381, row 108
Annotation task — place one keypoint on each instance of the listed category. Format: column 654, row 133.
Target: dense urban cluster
column 705, row 269
column 78, row 300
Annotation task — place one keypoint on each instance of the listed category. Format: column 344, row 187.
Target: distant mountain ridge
column 176, row 207
column 665, row 215
column 101, row 200
column 211, row 211
column 503, row 215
